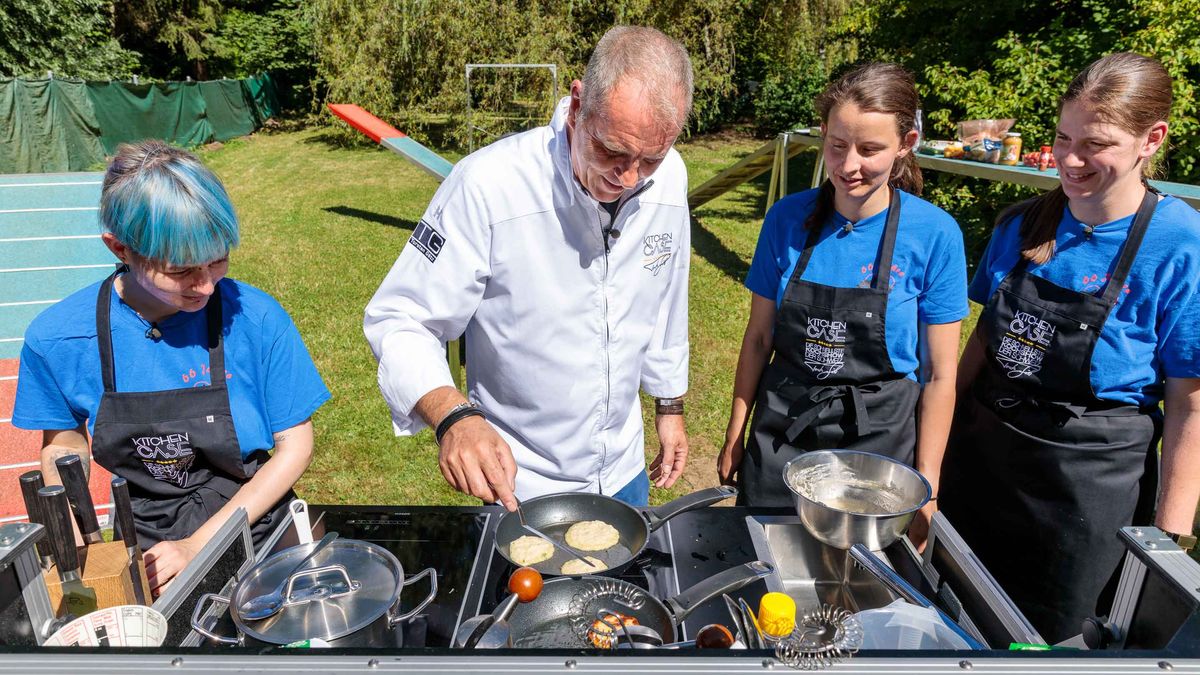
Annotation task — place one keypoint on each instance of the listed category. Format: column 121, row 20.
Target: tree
column 174, row 35
column 274, row 36
column 72, row 38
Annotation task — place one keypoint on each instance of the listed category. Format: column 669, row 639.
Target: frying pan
column 547, row 621
column 554, row 514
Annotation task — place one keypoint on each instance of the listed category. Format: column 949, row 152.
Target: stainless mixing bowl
column 847, row 497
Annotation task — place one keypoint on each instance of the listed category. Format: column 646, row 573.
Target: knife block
column 104, row 569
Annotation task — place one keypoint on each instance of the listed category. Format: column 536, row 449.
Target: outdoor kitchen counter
column 458, row 543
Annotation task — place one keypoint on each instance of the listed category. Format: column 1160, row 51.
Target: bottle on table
column 1044, row 158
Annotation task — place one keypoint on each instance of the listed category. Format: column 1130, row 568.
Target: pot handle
column 198, row 626
column 289, row 599
column 433, row 589
column 725, row 582
column 696, row 500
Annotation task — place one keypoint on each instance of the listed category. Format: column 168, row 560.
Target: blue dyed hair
column 165, row 205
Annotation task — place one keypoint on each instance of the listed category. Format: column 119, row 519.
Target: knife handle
column 62, row 537
column 31, row 482
column 123, row 510
column 70, row 470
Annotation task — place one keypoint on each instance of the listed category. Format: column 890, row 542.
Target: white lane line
column 57, row 267
column 22, row 465
column 28, row 302
column 53, row 238
column 57, row 208
column 89, row 182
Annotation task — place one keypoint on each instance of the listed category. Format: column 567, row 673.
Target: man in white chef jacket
column 562, row 254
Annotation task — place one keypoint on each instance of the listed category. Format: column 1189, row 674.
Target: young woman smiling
column 1091, row 320
column 857, row 292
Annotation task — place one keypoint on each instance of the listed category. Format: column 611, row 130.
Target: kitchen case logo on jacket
column 656, row 251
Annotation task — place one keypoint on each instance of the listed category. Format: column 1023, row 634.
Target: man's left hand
column 166, row 559
column 672, row 456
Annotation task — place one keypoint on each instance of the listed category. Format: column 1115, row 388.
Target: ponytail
column 822, row 209
column 906, row 174
column 1039, row 224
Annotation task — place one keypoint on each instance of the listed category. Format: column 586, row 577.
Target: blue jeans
column 636, row 492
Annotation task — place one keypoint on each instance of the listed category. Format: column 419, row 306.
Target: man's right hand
column 475, row 460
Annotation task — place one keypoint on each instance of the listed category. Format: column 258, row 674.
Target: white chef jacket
column 560, row 334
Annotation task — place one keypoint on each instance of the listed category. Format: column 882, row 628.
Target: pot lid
column 344, row 588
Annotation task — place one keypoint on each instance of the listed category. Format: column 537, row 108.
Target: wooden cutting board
column 105, row 569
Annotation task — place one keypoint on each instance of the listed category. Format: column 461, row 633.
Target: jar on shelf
column 1010, row 153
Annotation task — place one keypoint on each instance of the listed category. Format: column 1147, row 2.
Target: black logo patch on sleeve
column 427, row 240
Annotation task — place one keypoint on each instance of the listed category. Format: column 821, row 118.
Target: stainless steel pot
column 848, row 497
column 348, row 595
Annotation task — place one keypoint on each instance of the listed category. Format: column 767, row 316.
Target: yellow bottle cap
column 777, row 614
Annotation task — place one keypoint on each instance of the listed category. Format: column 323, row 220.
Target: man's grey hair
column 646, row 55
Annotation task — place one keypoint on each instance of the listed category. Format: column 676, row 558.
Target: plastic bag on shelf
column 983, row 139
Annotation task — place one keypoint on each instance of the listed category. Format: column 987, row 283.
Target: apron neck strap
column 887, row 245
column 104, row 329
column 883, row 269
column 1129, row 249
column 216, row 351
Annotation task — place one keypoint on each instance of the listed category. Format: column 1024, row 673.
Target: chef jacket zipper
column 604, row 235
column 607, row 360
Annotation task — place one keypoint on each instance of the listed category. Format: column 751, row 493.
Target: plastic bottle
column 776, row 616
column 1044, row 158
column 1011, row 153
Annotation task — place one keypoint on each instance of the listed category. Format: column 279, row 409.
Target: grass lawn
column 322, row 225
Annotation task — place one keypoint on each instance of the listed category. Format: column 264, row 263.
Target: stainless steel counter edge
column 311, row 662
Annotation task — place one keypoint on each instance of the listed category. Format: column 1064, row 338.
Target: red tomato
column 526, row 583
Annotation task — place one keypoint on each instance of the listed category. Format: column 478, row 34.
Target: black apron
column 830, row 382
column 177, row 448
column 1040, row 473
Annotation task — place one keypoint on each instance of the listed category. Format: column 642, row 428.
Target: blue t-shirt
column 273, row 383
column 1154, row 332
column 929, row 270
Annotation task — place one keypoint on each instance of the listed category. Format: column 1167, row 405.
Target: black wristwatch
column 1187, row 542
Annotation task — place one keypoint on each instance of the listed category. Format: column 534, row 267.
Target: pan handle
column 696, row 500
column 198, row 624
column 433, row 589
column 725, row 582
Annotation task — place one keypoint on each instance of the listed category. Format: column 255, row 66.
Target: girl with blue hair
column 182, row 378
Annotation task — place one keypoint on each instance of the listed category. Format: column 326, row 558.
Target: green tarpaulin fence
column 50, row 126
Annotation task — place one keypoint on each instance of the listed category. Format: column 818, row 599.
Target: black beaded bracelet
column 457, row 413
